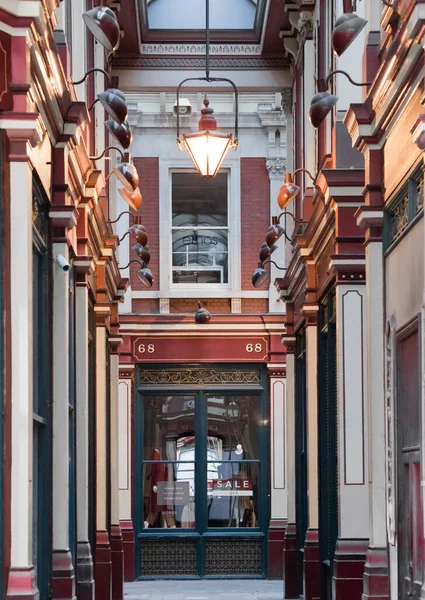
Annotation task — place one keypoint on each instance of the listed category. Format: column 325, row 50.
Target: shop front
column 207, row 453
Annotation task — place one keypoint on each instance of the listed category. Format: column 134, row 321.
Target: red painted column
column 128, row 541
column 275, row 547
column 290, row 563
column 349, row 564
column 117, row 562
column 102, row 566
column 312, row 565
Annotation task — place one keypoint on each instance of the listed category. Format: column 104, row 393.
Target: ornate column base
column 312, row 565
column 102, row 567
column 348, row 569
column 63, row 575
column 85, row 579
column 290, row 563
column 22, row 584
column 376, row 579
column 275, row 548
column 127, row 533
column 117, row 560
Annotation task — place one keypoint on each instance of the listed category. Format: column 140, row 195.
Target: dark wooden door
column 410, row 519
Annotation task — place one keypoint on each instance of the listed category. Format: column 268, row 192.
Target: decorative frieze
column 199, row 49
column 200, row 376
column 389, row 422
column 171, row 62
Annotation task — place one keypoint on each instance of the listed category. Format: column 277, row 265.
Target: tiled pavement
column 217, row 589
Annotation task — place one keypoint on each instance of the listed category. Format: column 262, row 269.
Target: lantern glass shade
column 208, row 149
column 127, row 174
column 103, row 24
column 347, row 28
column 133, row 199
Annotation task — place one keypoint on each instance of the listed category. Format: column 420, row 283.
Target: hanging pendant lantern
column 207, row 147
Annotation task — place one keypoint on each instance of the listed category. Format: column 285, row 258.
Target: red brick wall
column 188, row 305
column 255, row 215
column 148, row 169
column 254, row 305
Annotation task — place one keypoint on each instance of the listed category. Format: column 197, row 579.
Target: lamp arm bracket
column 94, row 70
column 304, row 171
column 125, row 212
column 92, row 104
column 133, row 261
column 209, row 80
column 95, row 158
column 286, row 213
column 275, row 264
column 332, row 73
column 124, row 236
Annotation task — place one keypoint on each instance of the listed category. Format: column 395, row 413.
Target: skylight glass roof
column 190, row 14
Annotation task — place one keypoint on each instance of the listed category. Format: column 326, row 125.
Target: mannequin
column 158, row 473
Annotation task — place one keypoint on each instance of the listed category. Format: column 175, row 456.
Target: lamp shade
column 103, row 24
column 287, row 192
column 207, row 147
column 121, row 132
column 145, row 276
column 321, row 105
column 127, row 174
column 143, row 252
column 202, row 315
column 259, row 276
column 264, row 253
column 133, row 199
column 274, row 232
column 347, row 28
column 140, row 233
column 113, row 101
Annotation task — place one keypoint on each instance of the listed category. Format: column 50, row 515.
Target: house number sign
column 200, row 349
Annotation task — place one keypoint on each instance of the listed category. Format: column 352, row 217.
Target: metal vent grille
column 169, row 557
column 233, row 557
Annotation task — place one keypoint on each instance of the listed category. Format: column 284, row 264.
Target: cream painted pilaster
column 352, row 414
column 84, row 552
column 375, row 393
column 278, row 444
column 124, row 448
column 312, row 423
column 290, row 436
column 101, row 433
column 114, row 359
column 62, row 567
column 22, row 573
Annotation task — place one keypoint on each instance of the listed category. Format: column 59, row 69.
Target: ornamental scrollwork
column 201, row 376
column 390, row 433
column 276, row 166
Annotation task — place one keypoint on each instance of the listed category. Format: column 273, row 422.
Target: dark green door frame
column 201, row 531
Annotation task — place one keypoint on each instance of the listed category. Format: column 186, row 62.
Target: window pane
column 235, row 422
column 169, row 495
column 200, row 255
column 168, row 424
column 233, row 494
column 198, row 201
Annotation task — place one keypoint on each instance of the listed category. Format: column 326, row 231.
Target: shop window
column 199, row 229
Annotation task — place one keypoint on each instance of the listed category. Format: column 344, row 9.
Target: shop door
column 410, row 519
column 203, row 506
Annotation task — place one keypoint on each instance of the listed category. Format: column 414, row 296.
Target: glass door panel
column 169, row 461
column 233, row 423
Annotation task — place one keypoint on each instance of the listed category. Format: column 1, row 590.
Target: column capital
column 276, row 167
column 126, row 371
column 276, row 371
column 311, row 311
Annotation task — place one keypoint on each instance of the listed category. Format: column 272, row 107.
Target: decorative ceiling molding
column 193, row 62
column 200, row 49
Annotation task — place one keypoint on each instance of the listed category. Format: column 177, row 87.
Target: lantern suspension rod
column 207, row 40
column 332, row 73
column 106, row 150
column 94, row 70
column 209, row 80
column 275, row 264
